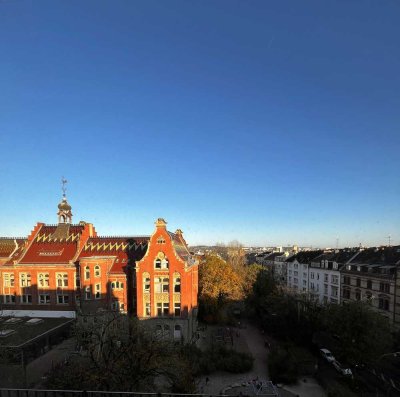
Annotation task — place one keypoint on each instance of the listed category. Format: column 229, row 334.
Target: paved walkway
column 251, row 340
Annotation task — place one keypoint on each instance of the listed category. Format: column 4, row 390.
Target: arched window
column 157, row 263
column 146, row 282
column 87, row 272
column 97, row 271
column 177, row 282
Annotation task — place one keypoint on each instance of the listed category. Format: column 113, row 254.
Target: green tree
column 363, row 334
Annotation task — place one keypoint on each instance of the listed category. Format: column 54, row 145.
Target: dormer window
column 161, row 240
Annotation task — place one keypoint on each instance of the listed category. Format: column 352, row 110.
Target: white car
column 341, row 369
column 327, row 355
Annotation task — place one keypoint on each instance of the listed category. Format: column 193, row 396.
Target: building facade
column 67, row 270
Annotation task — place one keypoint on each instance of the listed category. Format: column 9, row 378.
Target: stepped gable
column 127, row 250
column 378, row 256
column 53, row 245
column 181, row 248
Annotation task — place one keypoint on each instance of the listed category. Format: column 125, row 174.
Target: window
column 26, row 298
column 147, row 309
column 44, row 280
column 358, row 282
column 383, row 303
column 177, row 283
column 160, row 240
column 290, row 272
column 62, row 299
column 334, row 279
column 325, row 288
column 296, row 266
column 115, row 305
column 164, row 264
column 9, row 298
column 117, row 285
column 157, row 263
column 369, row 284
column 161, row 284
column 97, row 294
column 162, row 309
column 334, row 291
column 88, row 293
column 346, row 280
column 384, row 287
column 312, row 286
column 161, row 263
column 346, row 293
column 97, row 271
column 62, row 280
column 8, row 279
column 44, row 299
column 177, row 309
column 295, row 280
column 358, row 295
column 317, row 276
column 304, row 283
column 146, row 282
column 87, row 273
column 326, row 278
column 312, row 275
column 296, row 274
column 25, row 280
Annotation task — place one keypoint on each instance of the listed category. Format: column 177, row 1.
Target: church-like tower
column 64, row 209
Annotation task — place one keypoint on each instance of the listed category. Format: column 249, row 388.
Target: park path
column 251, row 340
column 247, row 339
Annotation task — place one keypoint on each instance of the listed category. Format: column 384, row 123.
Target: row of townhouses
column 334, row 276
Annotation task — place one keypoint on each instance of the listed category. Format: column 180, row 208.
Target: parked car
column 327, row 355
column 343, row 369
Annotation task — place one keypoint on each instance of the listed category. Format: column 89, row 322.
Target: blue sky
column 266, row 122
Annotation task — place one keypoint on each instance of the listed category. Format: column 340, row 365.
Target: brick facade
column 67, row 270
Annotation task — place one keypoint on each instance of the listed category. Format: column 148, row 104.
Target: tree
column 218, row 279
column 363, row 334
column 123, row 356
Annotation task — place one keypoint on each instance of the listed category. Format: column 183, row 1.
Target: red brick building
column 68, row 270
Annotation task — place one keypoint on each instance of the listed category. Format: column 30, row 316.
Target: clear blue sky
column 269, row 122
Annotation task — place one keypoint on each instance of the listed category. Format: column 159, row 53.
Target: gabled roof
column 9, row 244
column 53, row 244
column 378, row 256
column 181, row 248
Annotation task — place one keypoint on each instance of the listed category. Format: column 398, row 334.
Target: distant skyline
column 265, row 122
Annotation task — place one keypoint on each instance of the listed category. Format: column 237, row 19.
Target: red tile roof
column 125, row 249
column 46, row 249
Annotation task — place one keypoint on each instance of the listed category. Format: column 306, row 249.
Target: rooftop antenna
column 64, row 187
column 389, row 237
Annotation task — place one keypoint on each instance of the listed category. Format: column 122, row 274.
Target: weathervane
column 64, row 187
